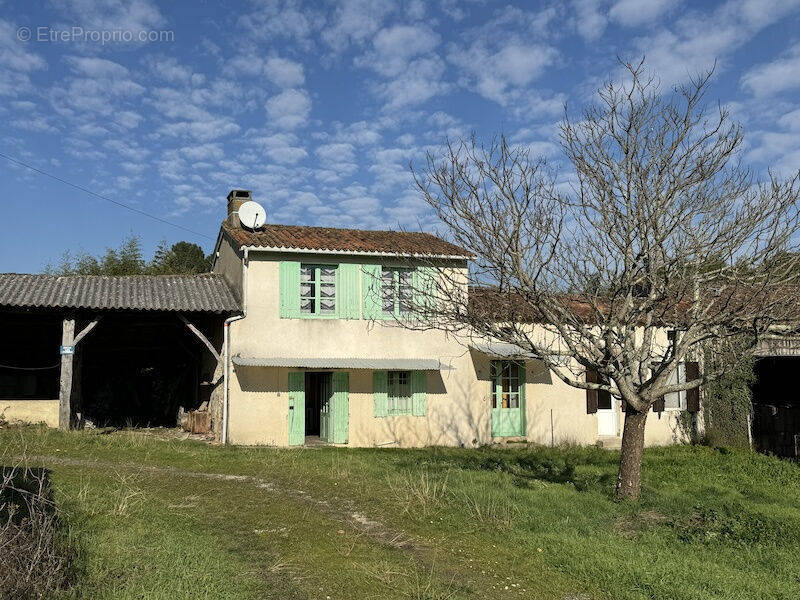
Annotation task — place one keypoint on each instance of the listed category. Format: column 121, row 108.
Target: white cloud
column 204, row 152
column 492, row 71
column 270, row 20
column 14, row 54
column 338, row 158
column 791, row 120
column 202, row 130
column 284, row 72
column 16, row 63
column 126, row 15
column 289, row 109
column 128, row 119
column 360, row 133
column 96, row 68
column 631, row 13
column 170, row 70
column 283, row 148
column 394, row 47
column 421, row 81
column 589, row 18
column 354, row 21
column 90, row 130
column 245, row 64
column 699, row 39
column 768, row 79
column 127, row 149
column 35, row 123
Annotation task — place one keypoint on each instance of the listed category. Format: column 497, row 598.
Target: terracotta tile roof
column 190, row 293
column 298, row 237
column 489, row 302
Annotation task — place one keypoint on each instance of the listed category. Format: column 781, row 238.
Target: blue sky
column 320, row 107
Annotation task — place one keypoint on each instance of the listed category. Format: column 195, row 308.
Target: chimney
column 235, row 199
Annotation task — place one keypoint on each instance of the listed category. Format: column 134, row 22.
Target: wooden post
column 65, row 389
column 200, row 336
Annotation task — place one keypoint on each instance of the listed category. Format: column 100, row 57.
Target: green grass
column 426, row 524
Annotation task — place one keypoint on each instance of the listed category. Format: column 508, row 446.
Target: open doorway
column 319, row 389
column 776, row 406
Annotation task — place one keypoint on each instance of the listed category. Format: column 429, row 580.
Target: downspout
column 226, row 342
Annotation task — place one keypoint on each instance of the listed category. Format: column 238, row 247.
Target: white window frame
column 316, row 298
column 676, row 401
column 501, row 372
column 398, row 308
column 398, row 393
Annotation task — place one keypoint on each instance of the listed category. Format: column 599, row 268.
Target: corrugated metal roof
column 296, row 237
column 189, row 293
column 402, row 364
column 501, row 350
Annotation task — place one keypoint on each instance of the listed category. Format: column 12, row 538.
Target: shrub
column 35, row 557
column 727, row 401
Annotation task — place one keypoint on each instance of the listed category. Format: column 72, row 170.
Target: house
column 317, row 353
column 296, row 337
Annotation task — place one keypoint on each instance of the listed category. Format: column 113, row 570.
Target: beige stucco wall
column 30, row 411
column 228, row 262
column 458, row 398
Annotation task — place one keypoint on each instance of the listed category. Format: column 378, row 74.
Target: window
column 676, row 400
column 505, row 384
column 396, row 291
column 318, row 290
column 398, row 385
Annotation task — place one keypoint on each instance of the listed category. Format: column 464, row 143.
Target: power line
column 106, row 198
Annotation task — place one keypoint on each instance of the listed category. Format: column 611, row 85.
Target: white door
column 606, row 416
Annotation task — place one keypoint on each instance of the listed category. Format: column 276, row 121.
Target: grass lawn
column 173, row 519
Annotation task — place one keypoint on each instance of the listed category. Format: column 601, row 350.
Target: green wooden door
column 341, row 408
column 325, row 429
column 297, row 408
column 508, row 398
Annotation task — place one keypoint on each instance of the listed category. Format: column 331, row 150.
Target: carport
column 110, row 350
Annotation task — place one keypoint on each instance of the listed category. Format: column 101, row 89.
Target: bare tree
column 660, row 227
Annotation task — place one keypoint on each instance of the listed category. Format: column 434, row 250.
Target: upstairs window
column 396, row 291
column 398, row 397
column 318, row 290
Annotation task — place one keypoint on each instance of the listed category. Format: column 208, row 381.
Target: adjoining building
column 109, row 350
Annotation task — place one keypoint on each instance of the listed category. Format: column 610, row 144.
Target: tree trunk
column 629, row 481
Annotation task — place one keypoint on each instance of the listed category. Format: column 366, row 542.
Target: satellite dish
column 252, row 215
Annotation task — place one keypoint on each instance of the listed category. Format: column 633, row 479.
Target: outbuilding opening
column 137, row 370
column 776, row 406
column 110, row 351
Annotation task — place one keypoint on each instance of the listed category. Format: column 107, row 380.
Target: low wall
column 30, row 411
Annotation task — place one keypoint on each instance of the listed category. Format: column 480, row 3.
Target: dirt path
column 337, row 509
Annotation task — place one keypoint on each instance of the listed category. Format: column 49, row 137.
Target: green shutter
column 341, row 407
column 424, row 280
column 379, row 393
column 371, row 289
column 419, row 385
column 348, row 291
column 289, row 289
column 297, row 408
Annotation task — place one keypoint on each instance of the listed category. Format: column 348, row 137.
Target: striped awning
column 400, row 364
